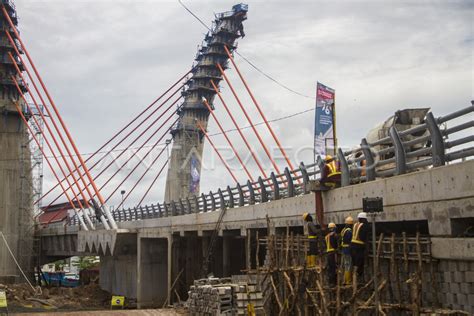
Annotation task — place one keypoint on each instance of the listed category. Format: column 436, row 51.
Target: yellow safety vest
column 355, row 234
column 344, row 231
column 329, row 247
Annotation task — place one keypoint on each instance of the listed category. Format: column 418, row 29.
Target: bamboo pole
column 248, row 252
column 394, row 271
column 287, row 245
column 313, row 300
column 338, row 292
column 275, row 293
column 323, row 297
column 405, row 255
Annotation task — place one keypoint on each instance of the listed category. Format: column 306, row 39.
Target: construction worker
column 331, row 251
column 360, row 234
column 314, row 231
column 330, row 175
column 346, row 260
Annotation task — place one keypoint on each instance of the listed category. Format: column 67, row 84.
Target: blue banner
column 195, row 176
column 324, row 122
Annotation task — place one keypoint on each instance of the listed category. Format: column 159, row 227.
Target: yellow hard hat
column 305, row 215
column 332, row 225
column 349, row 220
column 328, row 158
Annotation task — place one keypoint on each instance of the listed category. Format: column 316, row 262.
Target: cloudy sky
column 104, row 61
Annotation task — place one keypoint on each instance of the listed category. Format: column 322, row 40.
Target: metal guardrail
column 432, row 151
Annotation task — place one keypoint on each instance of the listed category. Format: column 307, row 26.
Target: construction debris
column 22, row 297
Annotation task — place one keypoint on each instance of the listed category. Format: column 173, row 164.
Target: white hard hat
column 362, row 215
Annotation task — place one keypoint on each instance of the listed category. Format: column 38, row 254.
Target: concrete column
column 170, row 266
column 226, row 251
column 152, row 272
column 205, row 245
column 139, row 272
column 192, row 265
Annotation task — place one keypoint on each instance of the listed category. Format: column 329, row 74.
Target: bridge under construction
column 239, row 249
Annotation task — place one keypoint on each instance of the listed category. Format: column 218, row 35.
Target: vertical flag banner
column 195, row 177
column 324, row 137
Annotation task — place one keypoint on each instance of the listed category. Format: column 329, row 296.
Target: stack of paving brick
column 246, row 292
column 211, row 296
column 215, row 296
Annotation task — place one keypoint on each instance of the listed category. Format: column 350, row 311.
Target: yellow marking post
column 3, row 299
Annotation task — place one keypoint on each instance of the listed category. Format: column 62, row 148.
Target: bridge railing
column 429, row 144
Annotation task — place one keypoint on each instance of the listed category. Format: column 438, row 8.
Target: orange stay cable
column 153, row 183
column 49, row 164
column 146, row 155
column 277, row 141
column 48, row 127
column 141, row 146
column 133, row 141
column 51, row 149
column 66, row 130
column 238, row 128
column 44, row 136
column 228, row 140
column 122, row 130
column 248, row 118
column 142, row 176
column 217, row 152
column 52, row 119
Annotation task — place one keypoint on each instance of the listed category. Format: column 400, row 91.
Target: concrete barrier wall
column 436, row 195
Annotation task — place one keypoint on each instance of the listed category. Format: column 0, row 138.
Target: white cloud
column 106, row 60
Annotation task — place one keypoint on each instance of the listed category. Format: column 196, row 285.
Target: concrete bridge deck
column 439, row 202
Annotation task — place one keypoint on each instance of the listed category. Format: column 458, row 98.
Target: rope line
column 16, row 262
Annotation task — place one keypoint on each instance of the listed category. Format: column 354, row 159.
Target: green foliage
column 86, row 262
column 58, row 265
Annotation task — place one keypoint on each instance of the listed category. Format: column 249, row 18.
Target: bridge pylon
column 185, row 162
column 17, row 184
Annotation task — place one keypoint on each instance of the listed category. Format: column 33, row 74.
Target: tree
column 59, row 265
column 85, row 262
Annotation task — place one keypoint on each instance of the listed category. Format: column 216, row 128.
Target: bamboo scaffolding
column 296, row 289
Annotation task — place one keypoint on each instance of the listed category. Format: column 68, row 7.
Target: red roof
column 60, row 206
column 53, row 216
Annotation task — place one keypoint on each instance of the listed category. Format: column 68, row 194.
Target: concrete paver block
column 469, row 276
column 459, row 276
column 450, row 298
column 454, row 287
column 461, row 299
column 447, row 277
column 452, row 265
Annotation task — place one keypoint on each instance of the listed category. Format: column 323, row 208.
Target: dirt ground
column 143, row 312
column 22, row 298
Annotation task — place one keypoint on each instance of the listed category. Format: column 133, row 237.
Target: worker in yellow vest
column 314, row 231
column 346, row 260
column 331, row 174
column 360, row 235
column 331, row 252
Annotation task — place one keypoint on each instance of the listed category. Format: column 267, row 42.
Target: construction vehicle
column 402, row 120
